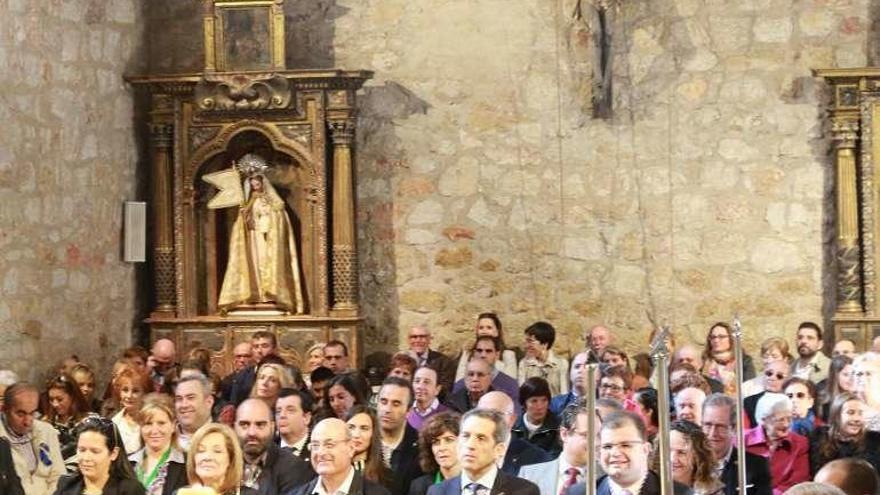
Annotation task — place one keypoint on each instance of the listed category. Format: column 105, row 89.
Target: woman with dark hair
column 646, row 398
column 488, row 325
column 438, row 454
column 691, row 457
column 537, row 424
column 85, row 381
column 718, row 358
column 802, row 394
column 840, row 379
column 367, row 444
column 65, row 408
column 341, row 394
column 844, row 435
column 540, row 360
column 103, row 467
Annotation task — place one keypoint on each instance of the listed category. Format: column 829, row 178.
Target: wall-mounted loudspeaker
column 134, row 248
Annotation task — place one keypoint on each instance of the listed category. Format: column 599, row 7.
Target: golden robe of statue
column 263, row 263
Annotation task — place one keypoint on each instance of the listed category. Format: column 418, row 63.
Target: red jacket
column 789, row 462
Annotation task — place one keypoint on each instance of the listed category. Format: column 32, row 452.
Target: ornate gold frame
column 216, row 56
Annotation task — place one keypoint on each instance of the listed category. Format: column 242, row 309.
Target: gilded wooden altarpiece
column 854, row 122
column 303, row 122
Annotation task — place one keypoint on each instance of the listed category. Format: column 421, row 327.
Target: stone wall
column 67, row 163
column 485, row 183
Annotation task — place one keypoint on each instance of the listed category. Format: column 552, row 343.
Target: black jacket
column 242, row 383
column 74, row 485
column 405, row 462
column 869, row 450
column 421, row 484
column 546, row 437
column 359, row 486
column 519, row 453
column 460, row 401
column 650, row 487
column 10, row 484
column 757, row 475
column 282, row 472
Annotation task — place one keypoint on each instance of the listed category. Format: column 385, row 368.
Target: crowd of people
column 494, row 419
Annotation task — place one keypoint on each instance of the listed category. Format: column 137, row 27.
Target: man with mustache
column 332, row 453
column 267, row 468
column 811, row 364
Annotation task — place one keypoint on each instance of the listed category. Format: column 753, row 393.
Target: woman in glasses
column 65, row 408
column 840, row 379
column 718, row 358
column 691, row 459
column 103, row 468
column 802, row 394
column 214, row 460
column 844, row 435
column 160, row 466
column 367, row 444
column 787, row 453
column 438, row 456
column 540, row 360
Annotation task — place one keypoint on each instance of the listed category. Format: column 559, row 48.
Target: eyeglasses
column 798, row 395
column 326, row 445
column 779, row 376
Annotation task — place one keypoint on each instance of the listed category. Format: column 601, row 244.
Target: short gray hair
column 721, row 400
column 199, row 378
column 770, row 404
column 502, row 432
column 813, row 488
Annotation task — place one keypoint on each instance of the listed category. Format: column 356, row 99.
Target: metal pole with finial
column 740, row 436
column 590, row 406
column 660, row 356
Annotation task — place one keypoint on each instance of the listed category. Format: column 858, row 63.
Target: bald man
column 242, row 358
column 332, row 453
column 162, row 360
column 597, row 339
column 853, row 476
column 519, row 452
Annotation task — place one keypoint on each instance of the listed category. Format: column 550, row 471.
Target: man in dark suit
column 578, row 386
column 482, row 439
column 241, row 358
column 719, row 424
column 263, row 344
column 624, row 450
column 519, row 452
column 331, row 457
column 293, row 414
column 477, row 381
column 267, row 468
column 420, row 350
column 395, row 399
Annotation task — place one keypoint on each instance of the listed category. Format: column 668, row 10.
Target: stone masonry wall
column 67, row 163
column 484, row 183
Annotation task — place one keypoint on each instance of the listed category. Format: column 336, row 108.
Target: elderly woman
column 160, row 466
column 718, row 358
column 691, row 459
column 540, row 360
column 844, row 435
column 787, row 453
column 438, row 454
column 271, row 378
column 103, row 469
column 802, row 394
column 214, row 460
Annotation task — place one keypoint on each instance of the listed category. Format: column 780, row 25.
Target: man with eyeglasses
column 241, row 359
column 488, row 349
column 719, row 425
column 569, row 468
column 267, row 468
column 774, row 376
column 615, row 383
column 481, row 442
column 866, row 382
column 332, row 453
column 36, row 453
column 624, row 452
column 812, row 364
column 420, row 350
column 478, row 382
column 519, row 452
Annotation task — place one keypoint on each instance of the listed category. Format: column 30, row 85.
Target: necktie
column 571, row 478
column 476, row 489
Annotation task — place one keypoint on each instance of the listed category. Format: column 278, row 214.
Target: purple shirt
column 416, row 420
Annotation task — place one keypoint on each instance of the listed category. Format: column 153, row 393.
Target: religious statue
column 263, row 266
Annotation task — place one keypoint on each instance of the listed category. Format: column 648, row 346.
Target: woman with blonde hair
column 314, row 358
column 84, row 377
column 214, row 460
column 160, row 466
column 271, row 378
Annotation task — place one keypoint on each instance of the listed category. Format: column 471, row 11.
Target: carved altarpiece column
column 854, row 122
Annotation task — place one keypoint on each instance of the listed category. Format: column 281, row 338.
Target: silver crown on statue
column 252, row 164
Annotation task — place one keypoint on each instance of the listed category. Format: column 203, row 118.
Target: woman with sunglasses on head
column 719, row 360
column 844, row 435
column 103, row 467
column 160, row 466
column 65, row 408
column 488, row 325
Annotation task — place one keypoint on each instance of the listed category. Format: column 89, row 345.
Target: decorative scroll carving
column 345, row 283
column 342, row 132
column 302, row 133
column 243, row 92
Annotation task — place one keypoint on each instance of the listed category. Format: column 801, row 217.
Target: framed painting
column 244, row 35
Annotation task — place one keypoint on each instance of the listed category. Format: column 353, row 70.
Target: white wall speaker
column 134, row 248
